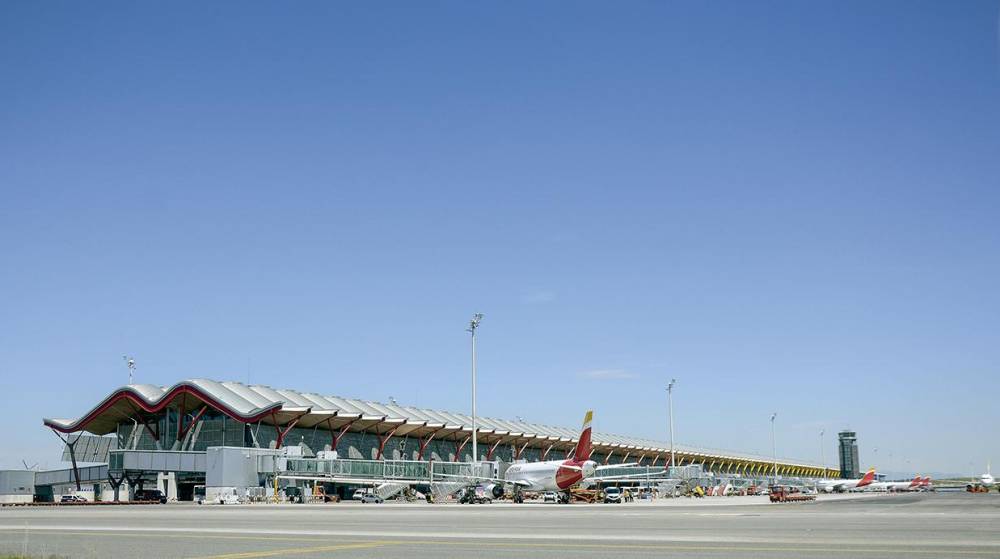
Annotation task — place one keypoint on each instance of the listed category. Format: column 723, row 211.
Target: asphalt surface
column 904, row 525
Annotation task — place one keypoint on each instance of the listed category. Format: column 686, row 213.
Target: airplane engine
column 494, row 489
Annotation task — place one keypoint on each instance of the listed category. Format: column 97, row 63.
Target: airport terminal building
column 155, row 431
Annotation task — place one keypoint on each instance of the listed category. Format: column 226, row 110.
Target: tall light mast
column 822, row 451
column 670, row 413
column 473, row 325
column 774, row 452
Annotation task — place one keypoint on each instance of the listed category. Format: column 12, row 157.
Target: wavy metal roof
column 261, row 403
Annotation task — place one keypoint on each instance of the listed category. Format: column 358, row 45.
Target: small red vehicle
column 786, row 494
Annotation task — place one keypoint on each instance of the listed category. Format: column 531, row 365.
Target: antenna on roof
column 130, row 362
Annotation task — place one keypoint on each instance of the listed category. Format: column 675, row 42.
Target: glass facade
column 214, row 429
column 217, row 429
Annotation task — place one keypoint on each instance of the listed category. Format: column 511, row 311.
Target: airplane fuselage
column 838, row 485
column 551, row 475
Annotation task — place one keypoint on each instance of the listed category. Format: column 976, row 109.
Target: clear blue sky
column 758, row 198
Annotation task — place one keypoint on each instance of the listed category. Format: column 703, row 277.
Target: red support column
column 383, row 440
column 180, row 419
column 627, row 454
column 153, row 433
column 489, row 455
column 655, row 458
column 145, row 423
column 288, row 428
column 335, row 437
column 608, row 457
column 182, row 430
column 545, row 454
column 520, row 450
column 639, row 461
column 458, row 451
column 424, row 443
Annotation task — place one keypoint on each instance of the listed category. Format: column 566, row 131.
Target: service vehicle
column 154, row 495
column 613, row 495
column 477, row 495
column 788, row 494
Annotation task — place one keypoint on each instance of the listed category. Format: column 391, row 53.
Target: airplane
column 841, row 485
column 552, row 475
column 913, row 485
column 555, row 475
column 986, row 480
column 925, row 484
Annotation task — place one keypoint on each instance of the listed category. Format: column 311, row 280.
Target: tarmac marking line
column 666, row 546
column 297, row 550
column 156, row 533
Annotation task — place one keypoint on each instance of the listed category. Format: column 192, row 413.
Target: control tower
column 850, row 467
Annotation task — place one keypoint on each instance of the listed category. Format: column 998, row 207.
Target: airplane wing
column 354, row 481
column 627, row 477
column 609, row 466
column 477, row 479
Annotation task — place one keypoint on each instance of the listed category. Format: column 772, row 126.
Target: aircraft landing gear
column 564, row 498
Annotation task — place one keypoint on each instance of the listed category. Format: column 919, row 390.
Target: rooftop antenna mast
column 130, row 362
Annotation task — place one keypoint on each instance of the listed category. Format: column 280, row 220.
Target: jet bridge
column 340, row 470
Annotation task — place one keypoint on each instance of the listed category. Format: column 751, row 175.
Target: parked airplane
column 913, row 485
column 841, row 485
column 986, row 480
column 555, row 475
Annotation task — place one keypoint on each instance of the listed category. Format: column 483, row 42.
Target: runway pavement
column 904, row 525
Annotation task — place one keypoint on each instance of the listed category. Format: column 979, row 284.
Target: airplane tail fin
column 926, row 481
column 583, row 447
column 869, row 477
column 916, row 481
